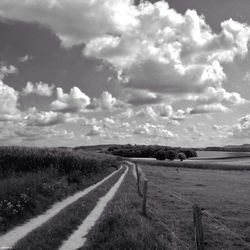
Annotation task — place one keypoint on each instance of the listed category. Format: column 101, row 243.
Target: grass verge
column 122, row 225
column 51, row 234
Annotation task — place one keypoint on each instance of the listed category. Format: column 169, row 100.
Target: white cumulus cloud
column 8, row 103
column 73, row 102
column 43, row 118
column 7, row 70
column 40, row 88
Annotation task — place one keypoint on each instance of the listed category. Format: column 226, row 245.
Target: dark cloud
column 50, row 62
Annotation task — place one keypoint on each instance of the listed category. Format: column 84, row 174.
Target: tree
column 171, row 155
column 160, row 155
column 189, row 153
column 182, row 156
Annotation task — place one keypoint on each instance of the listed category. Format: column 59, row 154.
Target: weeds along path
column 78, row 238
column 9, row 239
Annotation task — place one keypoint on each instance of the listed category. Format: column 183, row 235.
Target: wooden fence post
column 144, row 201
column 198, row 228
column 138, row 175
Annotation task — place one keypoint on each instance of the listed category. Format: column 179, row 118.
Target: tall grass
column 30, row 159
column 32, row 179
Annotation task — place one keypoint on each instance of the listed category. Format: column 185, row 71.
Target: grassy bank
column 32, row 179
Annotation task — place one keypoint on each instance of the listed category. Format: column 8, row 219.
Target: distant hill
column 230, row 148
column 238, row 146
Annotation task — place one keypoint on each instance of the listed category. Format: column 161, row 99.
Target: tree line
column 152, row 151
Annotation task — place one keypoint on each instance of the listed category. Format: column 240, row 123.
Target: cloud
column 164, row 110
column 220, row 127
column 241, row 130
column 71, row 19
column 25, row 58
column 215, row 100
column 147, row 112
column 95, row 131
column 142, row 97
column 8, row 103
column 43, row 118
column 73, row 102
column 46, row 133
column 105, row 102
column 152, row 130
column 152, row 47
column 40, row 88
column 194, row 131
column 246, row 78
column 172, row 53
column 219, row 95
column 208, row 108
column 127, row 114
column 7, row 70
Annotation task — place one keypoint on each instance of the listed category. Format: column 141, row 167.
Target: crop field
column 224, row 195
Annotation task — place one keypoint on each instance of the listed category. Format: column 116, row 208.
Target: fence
column 198, row 213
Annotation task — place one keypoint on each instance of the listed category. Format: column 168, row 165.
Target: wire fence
column 204, row 212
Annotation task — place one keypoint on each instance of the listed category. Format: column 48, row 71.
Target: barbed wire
column 236, row 235
column 179, row 196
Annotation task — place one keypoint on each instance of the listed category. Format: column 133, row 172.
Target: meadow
column 224, row 195
column 32, row 179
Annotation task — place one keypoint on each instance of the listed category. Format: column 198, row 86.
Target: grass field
column 224, row 194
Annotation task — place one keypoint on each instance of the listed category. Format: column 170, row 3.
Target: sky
column 78, row 72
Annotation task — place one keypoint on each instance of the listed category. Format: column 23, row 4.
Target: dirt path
column 8, row 240
column 78, row 238
column 131, row 164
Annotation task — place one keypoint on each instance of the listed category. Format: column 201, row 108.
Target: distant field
column 211, row 159
column 220, row 154
column 228, row 158
column 225, row 194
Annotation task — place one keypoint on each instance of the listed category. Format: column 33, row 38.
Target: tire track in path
column 78, row 237
column 8, row 240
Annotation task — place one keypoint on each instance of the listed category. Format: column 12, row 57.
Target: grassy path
column 10, row 238
column 51, row 234
column 78, row 238
column 123, row 227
